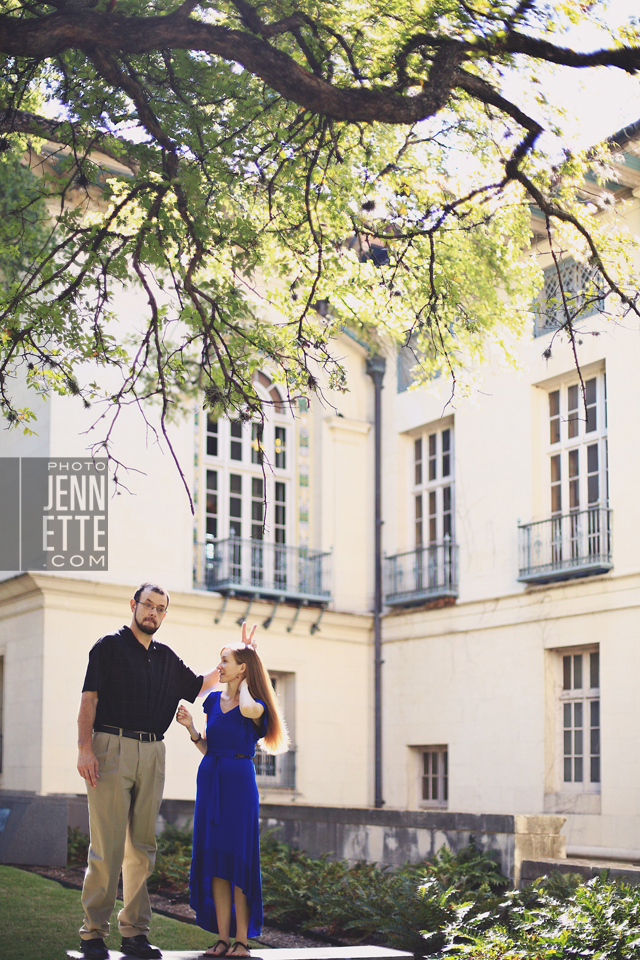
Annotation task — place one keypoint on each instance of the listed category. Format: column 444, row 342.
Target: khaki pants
column 123, row 809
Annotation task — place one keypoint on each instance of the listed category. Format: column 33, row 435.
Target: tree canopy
column 244, row 162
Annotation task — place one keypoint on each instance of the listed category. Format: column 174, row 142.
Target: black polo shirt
column 138, row 689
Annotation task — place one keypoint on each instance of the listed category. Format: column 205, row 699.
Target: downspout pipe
column 376, row 366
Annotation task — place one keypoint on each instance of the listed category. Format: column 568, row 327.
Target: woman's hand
column 248, row 706
column 248, row 640
column 184, row 717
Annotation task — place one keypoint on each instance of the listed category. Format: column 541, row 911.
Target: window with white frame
column 212, row 437
column 579, row 720
column 211, row 505
column 248, row 479
column 577, row 445
column 433, row 776
column 433, row 487
column 279, row 771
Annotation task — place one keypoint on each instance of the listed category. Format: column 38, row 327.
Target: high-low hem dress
column 226, row 836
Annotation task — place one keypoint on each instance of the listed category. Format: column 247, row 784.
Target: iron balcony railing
column 576, row 544
column 270, row 570
column 426, row 573
column 277, row 771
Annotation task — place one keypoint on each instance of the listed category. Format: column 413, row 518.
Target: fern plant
column 601, row 921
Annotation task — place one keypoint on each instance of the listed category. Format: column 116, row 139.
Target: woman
column 226, row 891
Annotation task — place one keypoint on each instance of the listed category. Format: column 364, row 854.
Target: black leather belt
column 130, row 734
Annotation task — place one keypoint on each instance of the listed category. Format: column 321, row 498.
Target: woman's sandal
column 239, row 943
column 213, row 950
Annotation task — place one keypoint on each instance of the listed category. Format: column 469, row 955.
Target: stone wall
column 33, row 830
column 393, row 837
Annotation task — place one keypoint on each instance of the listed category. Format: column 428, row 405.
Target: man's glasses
column 151, row 607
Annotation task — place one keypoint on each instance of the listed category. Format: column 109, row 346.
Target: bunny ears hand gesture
column 247, row 641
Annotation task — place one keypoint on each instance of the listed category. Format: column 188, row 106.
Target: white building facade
column 511, row 583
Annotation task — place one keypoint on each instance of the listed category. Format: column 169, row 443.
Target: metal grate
column 425, row 573
column 583, row 292
column 256, row 568
column 576, row 544
column 277, row 771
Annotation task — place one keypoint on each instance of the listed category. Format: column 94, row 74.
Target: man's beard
column 148, row 628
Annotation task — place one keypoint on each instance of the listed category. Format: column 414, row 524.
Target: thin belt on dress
column 214, row 783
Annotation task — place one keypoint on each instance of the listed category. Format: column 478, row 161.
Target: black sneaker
column 140, row 947
column 94, row 949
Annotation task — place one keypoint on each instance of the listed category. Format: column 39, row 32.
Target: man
column 131, row 691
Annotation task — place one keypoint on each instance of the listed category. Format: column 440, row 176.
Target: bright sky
column 597, row 102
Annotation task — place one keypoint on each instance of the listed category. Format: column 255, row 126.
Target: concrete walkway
column 297, row 953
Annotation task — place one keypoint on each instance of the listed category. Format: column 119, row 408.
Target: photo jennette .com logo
column 54, row 513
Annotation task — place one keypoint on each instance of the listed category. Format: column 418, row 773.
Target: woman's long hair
column 276, row 739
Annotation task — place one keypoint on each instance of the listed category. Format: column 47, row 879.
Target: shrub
column 312, row 892
column 454, row 906
column 424, row 899
column 77, row 847
column 173, row 862
column 471, row 871
column 601, row 920
column 557, row 885
column 366, row 900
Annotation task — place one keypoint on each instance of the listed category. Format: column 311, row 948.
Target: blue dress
column 226, row 836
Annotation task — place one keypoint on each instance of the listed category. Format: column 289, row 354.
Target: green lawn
column 39, row 918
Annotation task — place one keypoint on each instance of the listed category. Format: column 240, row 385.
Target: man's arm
column 87, row 761
column 209, row 681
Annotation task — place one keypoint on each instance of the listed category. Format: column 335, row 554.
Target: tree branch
column 117, row 34
column 21, row 121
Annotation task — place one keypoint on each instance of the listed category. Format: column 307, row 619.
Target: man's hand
column 88, row 766
column 209, row 681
